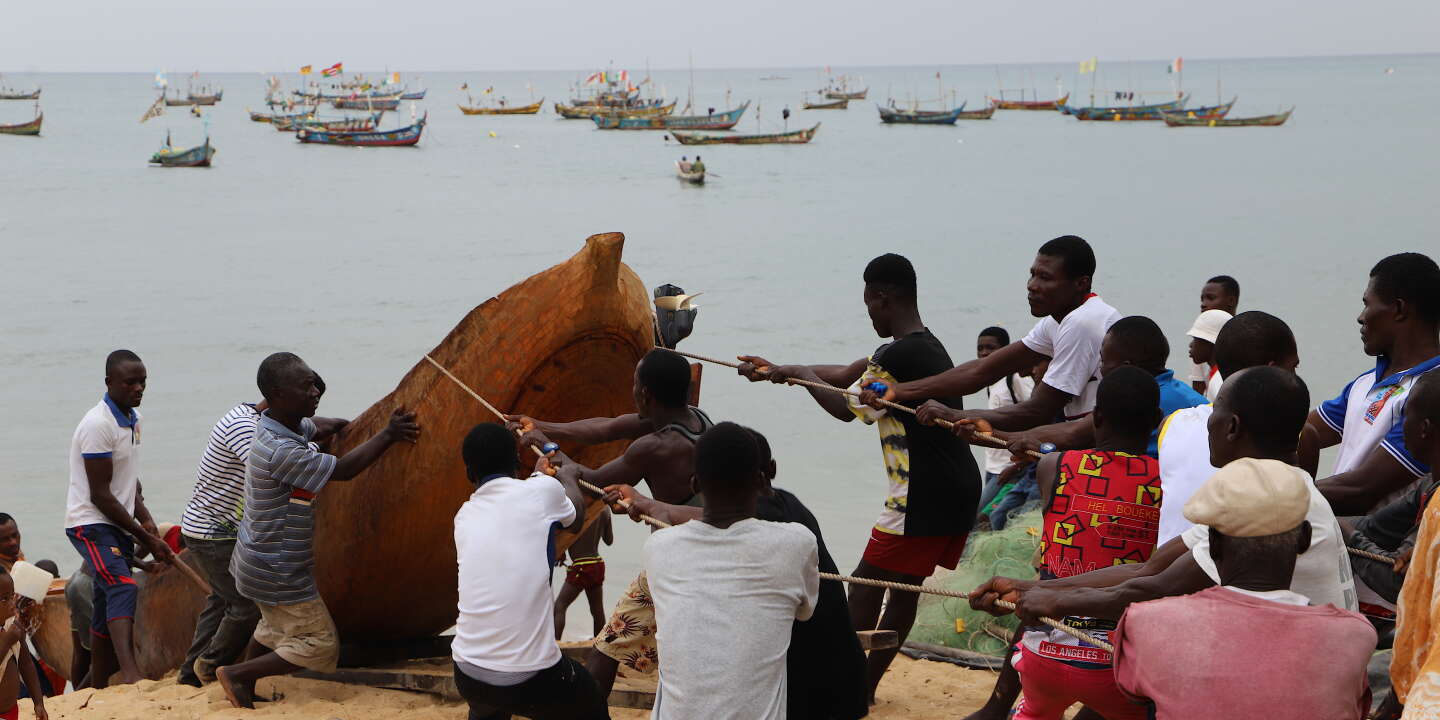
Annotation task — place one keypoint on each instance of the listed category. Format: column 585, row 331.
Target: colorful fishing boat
column 204, row 99
column 198, row 156
column 1132, row 112
column 832, row 105
column 595, row 321
column 713, row 121
column 26, row 128
column 367, row 103
column 276, row 117
column 683, row 171
column 1119, row 115
column 1184, row 120
column 350, row 124
column 1056, row 104
column 898, row 116
column 986, row 114
column 531, row 109
column 419, row 95
column 399, row 137
column 843, row 95
column 585, row 112
column 794, row 137
column 9, row 94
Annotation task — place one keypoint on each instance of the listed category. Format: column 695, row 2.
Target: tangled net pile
column 1006, row 552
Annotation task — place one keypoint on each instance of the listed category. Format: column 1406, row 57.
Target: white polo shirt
column 1370, row 412
column 104, row 432
column 1184, row 457
column 1073, row 346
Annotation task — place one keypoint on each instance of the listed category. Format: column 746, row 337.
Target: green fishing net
column 1006, row 552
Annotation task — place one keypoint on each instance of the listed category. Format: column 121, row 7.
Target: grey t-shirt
column 724, row 604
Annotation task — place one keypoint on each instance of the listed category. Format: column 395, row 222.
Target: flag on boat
column 595, row 77
column 160, row 81
column 1177, row 65
column 333, row 70
column 306, row 69
column 1088, row 66
column 625, row 76
column 395, row 78
column 156, row 110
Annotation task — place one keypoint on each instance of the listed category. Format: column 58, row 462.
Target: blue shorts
column 107, row 551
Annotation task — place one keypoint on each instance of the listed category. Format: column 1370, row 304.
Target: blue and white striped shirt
column 274, row 558
column 218, row 501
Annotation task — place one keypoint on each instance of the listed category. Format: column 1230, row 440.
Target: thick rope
column 996, row 442
column 904, row 587
column 1373, row 556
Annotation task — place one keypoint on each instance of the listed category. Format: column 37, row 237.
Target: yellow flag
column 305, row 70
column 1088, row 66
column 395, row 78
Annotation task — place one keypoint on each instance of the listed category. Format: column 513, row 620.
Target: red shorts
column 1051, row 687
column 11, row 714
column 586, row 573
column 913, row 555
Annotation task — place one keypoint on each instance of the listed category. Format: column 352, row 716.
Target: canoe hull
column 715, row 121
column 857, row 95
column 198, row 156
column 21, row 96
column 400, row 137
column 531, row 109
column 841, row 104
column 1049, row 105
column 794, row 137
column 30, row 128
column 1181, row 120
column 585, row 112
column 694, row 178
column 366, row 104
column 896, row 116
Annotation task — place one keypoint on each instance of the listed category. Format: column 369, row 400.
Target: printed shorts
column 301, row 634
column 917, row 556
column 629, row 637
column 107, row 551
column 586, row 573
column 1051, row 686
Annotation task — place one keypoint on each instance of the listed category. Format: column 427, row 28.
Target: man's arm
column 567, row 475
column 1047, row 476
column 628, row 469
column 756, row 368
column 970, row 377
column 1325, row 435
column 98, row 471
column 983, row 598
column 32, row 680
column 592, row 431
column 142, row 513
column 325, row 428
column 1044, row 404
column 402, row 427
column 637, row 504
column 1357, row 491
column 1073, row 435
column 1182, row 577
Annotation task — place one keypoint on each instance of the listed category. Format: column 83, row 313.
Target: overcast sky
column 269, row 35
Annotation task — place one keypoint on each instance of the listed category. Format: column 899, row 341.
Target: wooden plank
column 878, row 639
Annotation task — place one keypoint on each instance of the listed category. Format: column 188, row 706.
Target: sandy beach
column 913, row 689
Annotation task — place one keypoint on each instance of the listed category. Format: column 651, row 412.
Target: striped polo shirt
column 274, row 558
column 218, row 500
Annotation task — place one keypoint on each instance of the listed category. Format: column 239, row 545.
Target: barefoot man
column 273, row 562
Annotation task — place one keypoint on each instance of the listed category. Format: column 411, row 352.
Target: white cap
column 1207, row 326
column 1251, row 498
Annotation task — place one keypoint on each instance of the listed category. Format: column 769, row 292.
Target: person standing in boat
column 274, row 557
column 505, row 656
column 105, row 515
column 663, row 432
column 933, row 481
column 697, row 166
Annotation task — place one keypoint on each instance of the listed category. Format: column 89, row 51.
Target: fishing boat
column 367, row 103
column 683, row 171
column 418, row 95
column 351, row 124
column 1180, row 119
column 198, row 156
column 986, row 114
column 204, row 99
column 1056, row 104
column 531, row 109
column 1132, row 112
column 585, row 112
column 713, row 121
column 843, row 95
column 178, row 101
column 794, row 137
column 276, row 117
column 841, row 104
column 26, row 128
column 1204, row 113
column 898, row 116
column 399, row 137
column 8, row 94
column 551, row 347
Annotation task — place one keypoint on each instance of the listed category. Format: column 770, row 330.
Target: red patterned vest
column 1106, row 511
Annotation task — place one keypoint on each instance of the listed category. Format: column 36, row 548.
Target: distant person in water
column 274, row 557
column 585, row 575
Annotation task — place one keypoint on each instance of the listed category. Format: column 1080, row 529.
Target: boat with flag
column 1180, row 119
column 31, row 127
column 346, row 124
column 391, row 102
column 841, row 104
column 273, row 117
column 203, row 98
column 712, row 121
column 1131, row 112
column 793, row 137
column 170, row 156
column 1048, row 105
column 899, row 116
column 398, row 137
column 1206, row 112
column 839, row 88
column 585, row 112
column 499, row 109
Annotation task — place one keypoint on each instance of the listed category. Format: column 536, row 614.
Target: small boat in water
column 898, row 116
column 399, row 137
column 367, row 103
column 417, row 95
column 9, row 94
column 1056, row 104
column 261, row 117
column 841, row 104
column 348, row 124
column 684, row 172
column 1121, row 115
column 198, row 156
column 585, row 112
column 531, row 109
column 986, row 114
column 713, row 121
column 1131, row 112
column 1180, row 119
column 794, row 137
column 843, row 95
column 26, row 128
column 203, row 99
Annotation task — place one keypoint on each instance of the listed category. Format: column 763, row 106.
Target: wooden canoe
column 198, row 156
column 713, row 121
column 407, row 136
column 560, row 345
column 842, row 95
column 683, row 171
column 794, row 137
column 986, row 114
column 531, row 109
column 1181, row 119
column 1029, row 104
column 367, row 103
column 7, row 95
column 841, row 104
column 899, row 116
column 26, row 128
column 585, row 112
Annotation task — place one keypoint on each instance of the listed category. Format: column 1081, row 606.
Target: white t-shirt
column 1000, row 396
column 1073, row 346
column 1322, row 573
column 502, row 544
column 1199, row 372
column 1212, row 386
column 1369, row 412
column 725, row 601
column 1184, row 466
column 104, row 432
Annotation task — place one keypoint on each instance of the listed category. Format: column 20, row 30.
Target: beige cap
column 1207, row 326
column 1251, row 498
